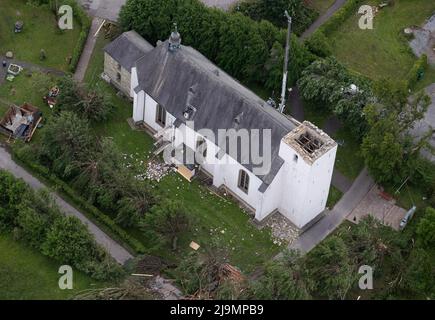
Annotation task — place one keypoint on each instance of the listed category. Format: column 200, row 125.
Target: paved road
column 116, row 251
column 82, row 66
column 319, row 231
column 109, row 9
column 323, row 18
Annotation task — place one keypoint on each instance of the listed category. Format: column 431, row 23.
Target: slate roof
column 128, row 48
column 186, row 77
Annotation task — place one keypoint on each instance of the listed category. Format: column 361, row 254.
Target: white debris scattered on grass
column 156, row 171
column 283, row 232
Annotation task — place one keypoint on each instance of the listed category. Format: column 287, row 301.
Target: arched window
column 243, row 181
column 201, row 147
column 160, row 115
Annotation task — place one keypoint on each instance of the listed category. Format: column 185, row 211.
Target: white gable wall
column 306, row 185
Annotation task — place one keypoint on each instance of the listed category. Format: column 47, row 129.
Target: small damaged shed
column 21, row 122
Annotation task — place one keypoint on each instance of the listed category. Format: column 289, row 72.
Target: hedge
column 85, row 23
column 340, row 16
column 417, row 70
column 103, row 221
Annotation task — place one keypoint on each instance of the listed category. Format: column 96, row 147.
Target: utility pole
column 285, row 71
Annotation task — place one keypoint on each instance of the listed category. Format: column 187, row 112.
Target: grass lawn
column 40, row 32
column 349, row 160
column 321, row 5
column 333, row 197
column 26, row 274
column 382, row 52
column 214, row 218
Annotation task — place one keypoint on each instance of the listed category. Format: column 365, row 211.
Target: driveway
column 120, row 254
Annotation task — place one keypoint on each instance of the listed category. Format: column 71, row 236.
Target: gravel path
column 116, row 251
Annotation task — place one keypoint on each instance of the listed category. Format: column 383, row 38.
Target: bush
column 417, row 71
column 39, row 223
column 333, row 23
column 273, row 11
column 318, row 44
column 233, row 41
column 426, row 229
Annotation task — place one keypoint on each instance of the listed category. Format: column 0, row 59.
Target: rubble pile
column 283, row 232
column 156, row 171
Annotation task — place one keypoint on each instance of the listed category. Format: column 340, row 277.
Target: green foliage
column 328, row 83
column 330, row 269
column 85, row 22
column 39, row 223
column 103, row 220
column 273, row 11
column 65, row 140
column 68, row 241
column 168, row 220
column 390, row 152
column 349, row 8
column 419, row 277
column 233, row 41
column 90, row 104
column 319, row 44
column 426, row 229
column 282, row 280
column 417, row 71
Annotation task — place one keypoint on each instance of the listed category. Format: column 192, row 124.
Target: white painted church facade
column 171, row 84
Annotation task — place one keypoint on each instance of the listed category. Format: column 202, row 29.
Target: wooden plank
column 185, row 173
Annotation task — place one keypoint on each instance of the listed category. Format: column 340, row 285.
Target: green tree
column 234, row 42
column 69, row 242
column 426, row 229
column 327, row 83
column 168, row 219
column 391, row 153
column 273, row 11
column 66, row 139
column 419, row 276
column 282, row 280
column 330, row 269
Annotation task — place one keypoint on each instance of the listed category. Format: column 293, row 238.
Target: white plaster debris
column 156, row 171
column 283, row 232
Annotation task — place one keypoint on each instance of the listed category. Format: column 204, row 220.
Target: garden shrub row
column 34, row 218
column 333, row 23
column 417, row 71
column 248, row 50
column 104, row 221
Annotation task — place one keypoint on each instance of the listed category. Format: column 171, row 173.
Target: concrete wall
column 111, row 69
